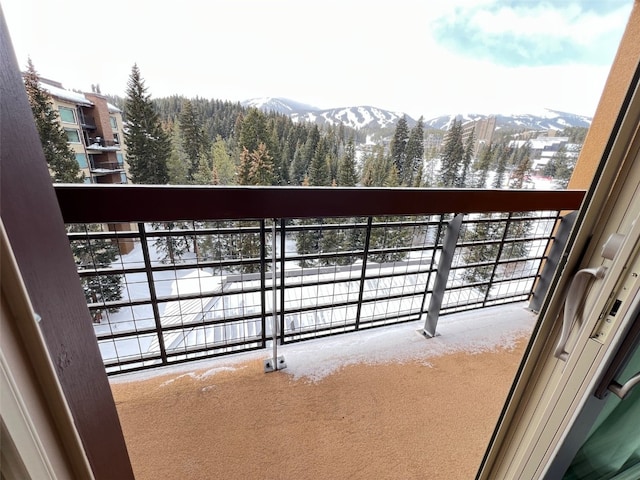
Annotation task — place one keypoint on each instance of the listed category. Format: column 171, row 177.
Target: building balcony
column 105, row 168
column 87, row 122
column 210, row 263
column 101, row 145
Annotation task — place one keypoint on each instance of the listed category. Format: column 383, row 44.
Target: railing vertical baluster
column 152, row 291
column 365, row 254
column 263, row 286
column 431, row 263
column 442, row 275
column 274, row 363
column 283, row 240
column 495, row 264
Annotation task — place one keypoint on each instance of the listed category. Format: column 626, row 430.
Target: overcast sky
column 420, row 57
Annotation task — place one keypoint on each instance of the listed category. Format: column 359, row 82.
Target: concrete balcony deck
column 383, row 403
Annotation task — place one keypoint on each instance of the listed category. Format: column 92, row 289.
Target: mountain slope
column 374, row 119
column 545, row 120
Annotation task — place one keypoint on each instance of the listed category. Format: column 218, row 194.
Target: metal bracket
column 269, row 365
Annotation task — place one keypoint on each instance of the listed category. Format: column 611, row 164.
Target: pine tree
column 466, row 160
column 319, row 169
column 194, row 142
column 60, row 158
column 414, row 157
column 503, row 154
column 256, row 168
column 148, row 145
column 347, row 175
column 261, row 170
column 398, row 148
column 559, row 168
column 177, row 161
column 482, row 166
column 222, row 163
column 452, row 156
column 377, row 166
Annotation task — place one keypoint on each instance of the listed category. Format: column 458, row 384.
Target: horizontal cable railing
column 178, row 273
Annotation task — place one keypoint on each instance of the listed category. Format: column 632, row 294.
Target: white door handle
column 574, row 300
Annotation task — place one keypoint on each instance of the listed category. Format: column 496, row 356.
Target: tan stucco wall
column 616, row 86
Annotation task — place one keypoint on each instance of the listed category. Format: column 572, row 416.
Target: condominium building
column 94, row 131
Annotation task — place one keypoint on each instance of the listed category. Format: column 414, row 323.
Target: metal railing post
column 152, row 291
column 431, row 263
column 555, row 259
column 275, row 362
column 283, row 245
column 365, row 253
column 442, row 275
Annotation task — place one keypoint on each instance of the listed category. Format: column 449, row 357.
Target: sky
column 419, row 57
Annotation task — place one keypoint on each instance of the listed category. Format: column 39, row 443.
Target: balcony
column 87, row 122
column 99, row 144
column 210, row 263
column 105, row 168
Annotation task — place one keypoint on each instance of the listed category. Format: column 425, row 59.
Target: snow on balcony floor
column 473, row 331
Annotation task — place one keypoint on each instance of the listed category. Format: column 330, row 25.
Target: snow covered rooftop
column 68, row 95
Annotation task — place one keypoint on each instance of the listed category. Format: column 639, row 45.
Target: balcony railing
column 99, row 143
column 98, row 167
column 206, row 265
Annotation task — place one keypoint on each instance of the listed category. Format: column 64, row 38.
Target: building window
column 123, row 178
column 72, row 135
column 116, row 139
column 87, row 179
column 81, row 158
column 113, row 122
column 67, row 115
column 120, row 158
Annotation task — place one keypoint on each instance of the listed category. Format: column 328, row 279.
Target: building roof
column 68, row 95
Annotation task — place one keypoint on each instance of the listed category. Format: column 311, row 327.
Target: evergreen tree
column 177, row 161
column 222, row 163
column 398, row 148
column 414, row 157
column 319, row 169
column 60, row 158
column 466, row 160
column 148, row 145
column 503, row 154
column 261, row 170
column 559, row 168
column 254, row 130
column 194, row 142
column 256, row 168
column 347, row 175
column 482, row 166
column 376, row 168
column 452, row 156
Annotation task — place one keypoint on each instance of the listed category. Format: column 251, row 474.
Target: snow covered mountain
column 544, row 120
column 355, row 117
column 372, row 118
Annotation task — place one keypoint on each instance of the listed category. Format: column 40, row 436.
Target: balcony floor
column 381, row 403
